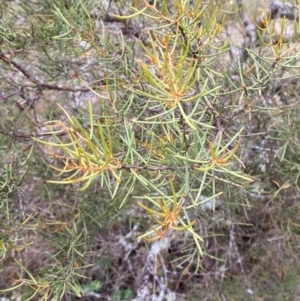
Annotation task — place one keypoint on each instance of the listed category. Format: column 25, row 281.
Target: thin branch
column 42, row 86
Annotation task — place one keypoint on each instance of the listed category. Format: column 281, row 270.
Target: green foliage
column 169, row 144
column 166, row 133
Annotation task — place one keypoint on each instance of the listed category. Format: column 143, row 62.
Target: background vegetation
column 149, row 150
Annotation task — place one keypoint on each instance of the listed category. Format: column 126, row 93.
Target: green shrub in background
column 170, row 137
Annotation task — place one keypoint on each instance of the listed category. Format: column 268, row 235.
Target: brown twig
column 42, row 86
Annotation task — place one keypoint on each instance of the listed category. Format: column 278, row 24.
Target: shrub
column 176, row 141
